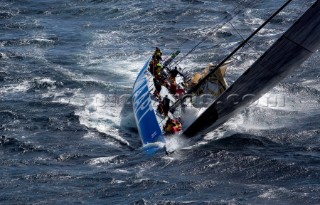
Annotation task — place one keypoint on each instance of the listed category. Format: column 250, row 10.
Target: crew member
column 157, row 85
column 172, row 126
column 151, row 67
column 174, row 72
column 179, row 91
column 177, row 126
column 159, row 67
column 168, row 127
column 173, row 87
column 166, row 105
column 158, row 54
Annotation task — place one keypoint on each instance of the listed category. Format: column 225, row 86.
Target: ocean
column 68, row 135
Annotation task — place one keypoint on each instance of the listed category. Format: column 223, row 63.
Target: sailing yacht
column 296, row 45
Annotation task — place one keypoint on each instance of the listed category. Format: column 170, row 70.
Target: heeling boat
column 290, row 51
column 153, row 123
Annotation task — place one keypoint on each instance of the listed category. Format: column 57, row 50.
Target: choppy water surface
column 64, row 66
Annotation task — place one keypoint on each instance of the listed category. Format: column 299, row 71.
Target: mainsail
column 286, row 54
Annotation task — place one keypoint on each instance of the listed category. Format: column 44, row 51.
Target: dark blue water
column 67, row 66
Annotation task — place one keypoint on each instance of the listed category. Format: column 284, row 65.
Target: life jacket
column 176, row 129
column 168, row 128
column 159, row 66
column 177, row 126
column 158, row 53
column 180, row 92
column 159, row 77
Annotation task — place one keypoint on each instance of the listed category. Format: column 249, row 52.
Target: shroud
column 294, row 47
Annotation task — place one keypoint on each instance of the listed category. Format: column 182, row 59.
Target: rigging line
column 243, row 39
column 211, row 32
column 183, row 42
column 203, row 40
column 196, row 87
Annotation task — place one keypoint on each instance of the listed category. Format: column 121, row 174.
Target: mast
column 286, row 54
column 198, row 85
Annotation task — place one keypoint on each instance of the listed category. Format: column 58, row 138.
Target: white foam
column 115, row 181
column 43, row 39
column 94, row 111
column 3, row 55
column 102, row 160
column 272, row 193
column 160, row 145
column 97, row 114
column 173, row 143
column 121, row 171
column 120, row 61
column 16, row 88
column 45, row 80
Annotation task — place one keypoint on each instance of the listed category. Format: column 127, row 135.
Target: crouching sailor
column 172, row 126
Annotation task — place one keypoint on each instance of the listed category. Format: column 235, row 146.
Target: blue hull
column 145, row 116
